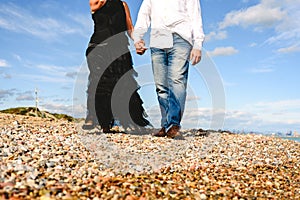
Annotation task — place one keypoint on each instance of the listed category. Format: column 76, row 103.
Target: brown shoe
column 160, row 133
column 173, row 132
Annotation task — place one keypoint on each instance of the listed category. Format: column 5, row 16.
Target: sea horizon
column 297, row 139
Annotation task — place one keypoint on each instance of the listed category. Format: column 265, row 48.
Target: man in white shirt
column 176, row 38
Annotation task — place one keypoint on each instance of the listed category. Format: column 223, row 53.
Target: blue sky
column 253, row 45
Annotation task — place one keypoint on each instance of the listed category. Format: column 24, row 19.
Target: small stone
column 16, row 124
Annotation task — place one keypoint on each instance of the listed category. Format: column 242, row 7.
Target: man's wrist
column 197, row 46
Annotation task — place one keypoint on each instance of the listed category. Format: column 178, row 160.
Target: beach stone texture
column 46, row 159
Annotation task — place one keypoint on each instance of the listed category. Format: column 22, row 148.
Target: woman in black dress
column 112, row 89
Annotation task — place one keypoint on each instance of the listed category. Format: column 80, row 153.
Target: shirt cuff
column 136, row 37
column 198, row 45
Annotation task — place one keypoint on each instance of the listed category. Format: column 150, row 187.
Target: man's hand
column 195, row 56
column 140, row 47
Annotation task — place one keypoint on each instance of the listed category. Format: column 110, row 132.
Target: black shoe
column 106, row 130
column 88, row 125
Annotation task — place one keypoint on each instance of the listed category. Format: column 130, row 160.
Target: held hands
column 195, row 56
column 140, row 47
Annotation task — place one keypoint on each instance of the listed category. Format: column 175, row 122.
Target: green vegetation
column 31, row 111
column 63, row 116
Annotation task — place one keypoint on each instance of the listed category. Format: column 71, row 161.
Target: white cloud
column 259, row 117
column 7, row 76
column 197, row 118
column 263, row 15
column 229, row 84
column 18, row 19
column 220, row 35
column 17, row 57
column 192, row 98
column 223, row 51
column 45, row 78
column 85, row 22
column 6, row 93
column 25, row 96
column 284, row 114
column 192, row 118
column 52, row 69
column 57, row 108
column 262, row 70
column 265, row 120
column 71, row 74
column 44, row 72
column 290, row 49
column 281, row 16
column 55, row 70
column 3, row 63
column 78, row 110
column 253, row 44
column 288, row 31
column 280, row 105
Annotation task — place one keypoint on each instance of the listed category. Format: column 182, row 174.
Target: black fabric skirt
column 113, row 90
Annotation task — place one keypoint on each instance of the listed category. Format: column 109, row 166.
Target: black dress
column 112, row 89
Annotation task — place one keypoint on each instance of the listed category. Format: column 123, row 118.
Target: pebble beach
column 42, row 158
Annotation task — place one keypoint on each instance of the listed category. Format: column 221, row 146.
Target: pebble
column 53, row 159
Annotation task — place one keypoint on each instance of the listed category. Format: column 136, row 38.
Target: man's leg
column 178, row 65
column 160, row 70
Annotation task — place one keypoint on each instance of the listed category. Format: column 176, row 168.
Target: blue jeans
column 170, row 69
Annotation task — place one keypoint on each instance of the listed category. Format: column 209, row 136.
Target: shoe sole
column 88, row 127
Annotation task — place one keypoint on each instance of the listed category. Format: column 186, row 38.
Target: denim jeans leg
column 178, row 66
column 170, row 70
column 159, row 67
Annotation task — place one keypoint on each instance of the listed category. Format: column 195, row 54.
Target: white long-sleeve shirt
column 170, row 16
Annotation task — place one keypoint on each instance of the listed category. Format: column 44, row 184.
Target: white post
column 36, row 102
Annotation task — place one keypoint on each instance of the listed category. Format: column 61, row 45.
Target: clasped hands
column 140, row 47
column 195, row 55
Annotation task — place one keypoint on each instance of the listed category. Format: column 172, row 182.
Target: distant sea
column 297, row 139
